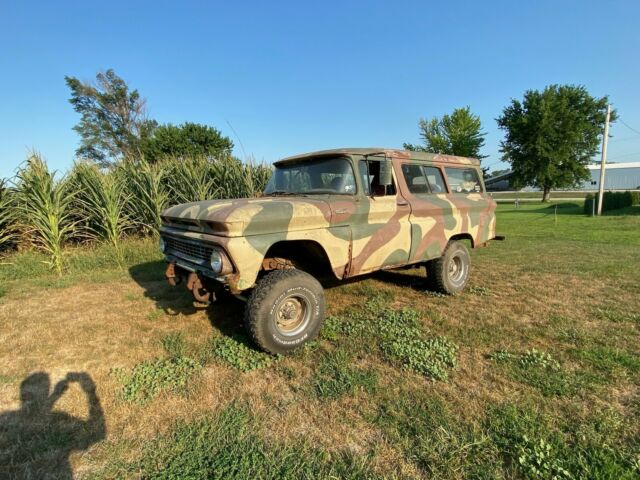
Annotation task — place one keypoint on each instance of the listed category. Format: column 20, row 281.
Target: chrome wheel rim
column 457, row 270
column 292, row 315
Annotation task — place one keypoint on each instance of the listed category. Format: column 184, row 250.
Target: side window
column 435, row 179
column 463, row 180
column 414, row 176
column 370, row 176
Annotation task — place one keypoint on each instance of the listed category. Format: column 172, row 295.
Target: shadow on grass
column 35, row 440
column 225, row 313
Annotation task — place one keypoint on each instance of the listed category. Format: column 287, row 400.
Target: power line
column 630, row 128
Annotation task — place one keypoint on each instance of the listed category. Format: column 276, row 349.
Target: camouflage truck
column 330, row 214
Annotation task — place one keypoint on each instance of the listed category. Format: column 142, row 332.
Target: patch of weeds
column 432, row 357
column 530, row 444
column 331, row 328
column 336, row 376
column 399, row 336
column 536, row 359
column 402, row 343
column 147, row 379
column 3, row 291
column 479, row 290
column 237, row 353
column 132, row 297
column 434, row 439
column 155, row 314
column 501, row 356
column 227, row 445
column 174, row 344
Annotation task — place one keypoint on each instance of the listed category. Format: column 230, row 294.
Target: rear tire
column 449, row 274
column 285, row 310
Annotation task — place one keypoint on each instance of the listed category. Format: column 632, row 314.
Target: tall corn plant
column 43, row 209
column 101, row 202
column 237, row 180
column 7, row 215
column 147, row 191
column 188, row 180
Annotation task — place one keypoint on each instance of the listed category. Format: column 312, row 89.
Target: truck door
column 380, row 227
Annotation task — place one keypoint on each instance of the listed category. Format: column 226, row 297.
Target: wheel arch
column 305, row 254
column 463, row 236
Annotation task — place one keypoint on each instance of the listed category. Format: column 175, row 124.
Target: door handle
column 341, row 210
column 402, row 203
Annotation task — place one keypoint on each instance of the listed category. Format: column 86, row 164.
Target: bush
column 611, row 201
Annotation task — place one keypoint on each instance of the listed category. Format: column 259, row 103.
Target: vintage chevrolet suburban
column 340, row 213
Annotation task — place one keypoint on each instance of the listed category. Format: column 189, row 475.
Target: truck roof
column 389, row 152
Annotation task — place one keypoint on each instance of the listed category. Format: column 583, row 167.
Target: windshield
column 324, row 175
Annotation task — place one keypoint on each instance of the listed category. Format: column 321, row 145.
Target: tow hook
column 171, row 276
column 202, row 296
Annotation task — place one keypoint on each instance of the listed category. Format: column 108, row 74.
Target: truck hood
column 250, row 216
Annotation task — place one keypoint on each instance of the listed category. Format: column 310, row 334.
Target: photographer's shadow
column 36, row 441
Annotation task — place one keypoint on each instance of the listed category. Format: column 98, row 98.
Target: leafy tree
column 550, row 136
column 184, row 141
column 113, row 121
column 457, row 134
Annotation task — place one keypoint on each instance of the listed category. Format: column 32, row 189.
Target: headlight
column 216, row 261
column 163, row 245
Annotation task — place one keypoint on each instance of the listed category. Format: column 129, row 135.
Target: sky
column 282, row 78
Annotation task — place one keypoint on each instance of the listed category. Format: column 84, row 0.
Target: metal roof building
column 618, row 176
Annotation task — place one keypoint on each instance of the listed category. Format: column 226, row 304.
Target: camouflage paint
column 359, row 234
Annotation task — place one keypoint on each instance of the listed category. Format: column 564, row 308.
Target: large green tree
column 551, row 136
column 188, row 140
column 113, row 123
column 457, row 134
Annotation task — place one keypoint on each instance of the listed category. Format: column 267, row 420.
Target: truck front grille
column 189, row 250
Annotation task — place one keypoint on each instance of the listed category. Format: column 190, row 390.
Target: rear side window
column 463, row 180
column 421, row 179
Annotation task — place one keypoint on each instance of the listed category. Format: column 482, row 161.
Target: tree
column 457, row 134
column 113, row 122
column 184, row 141
column 550, row 136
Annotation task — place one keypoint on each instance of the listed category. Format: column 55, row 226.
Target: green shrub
column 611, row 201
column 147, row 379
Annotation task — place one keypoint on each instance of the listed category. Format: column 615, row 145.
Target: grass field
column 533, row 372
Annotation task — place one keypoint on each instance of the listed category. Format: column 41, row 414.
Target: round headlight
column 163, row 245
column 216, row 261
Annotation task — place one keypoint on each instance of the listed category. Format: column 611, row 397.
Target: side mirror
column 386, row 177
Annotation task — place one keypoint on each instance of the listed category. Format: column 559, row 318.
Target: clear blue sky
column 299, row 76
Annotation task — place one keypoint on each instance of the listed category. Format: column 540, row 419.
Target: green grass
column 227, row 445
column 534, row 372
column 336, row 375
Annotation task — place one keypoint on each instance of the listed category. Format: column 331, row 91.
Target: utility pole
column 603, row 160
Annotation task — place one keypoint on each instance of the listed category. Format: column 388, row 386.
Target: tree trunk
column 546, row 194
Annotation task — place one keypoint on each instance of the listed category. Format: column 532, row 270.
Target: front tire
column 285, row 310
column 449, row 274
